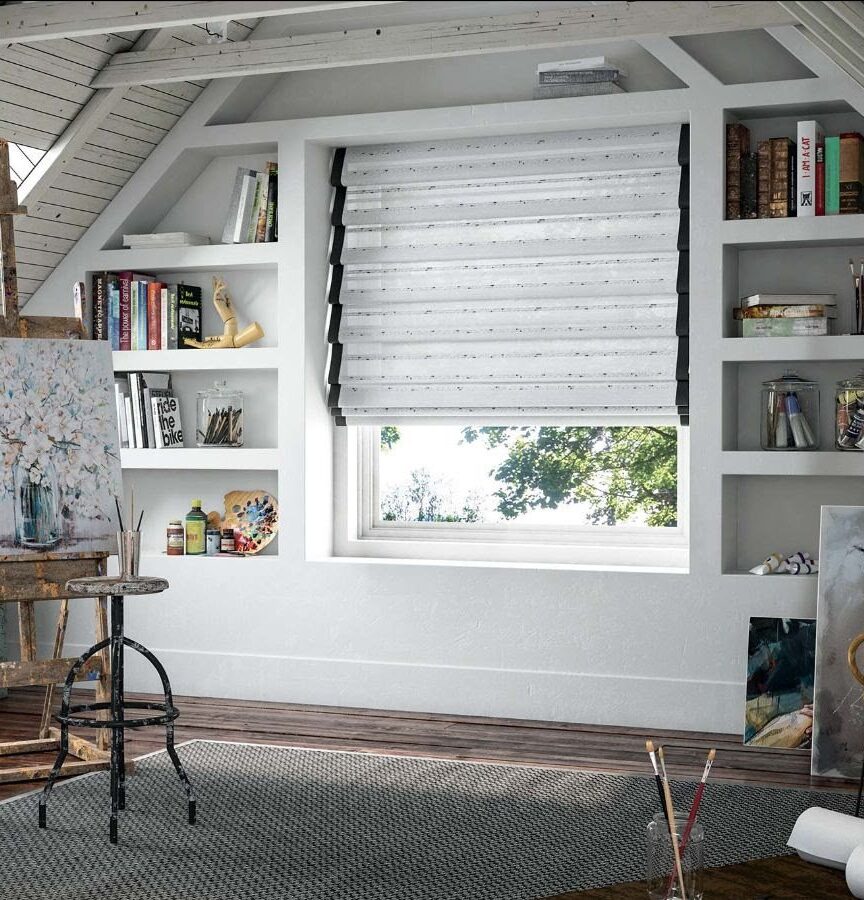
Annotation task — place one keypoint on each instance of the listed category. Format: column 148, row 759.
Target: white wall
column 558, row 644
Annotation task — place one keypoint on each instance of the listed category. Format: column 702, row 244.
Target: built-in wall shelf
column 754, row 234
column 793, row 349
column 810, row 462
column 207, row 258
column 196, row 360
column 202, row 459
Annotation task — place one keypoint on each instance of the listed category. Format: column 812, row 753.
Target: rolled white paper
column 855, row 872
column 825, row 837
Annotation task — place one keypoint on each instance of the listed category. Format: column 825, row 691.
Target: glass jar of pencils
column 663, row 874
column 790, row 414
column 219, row 417
column 849, row 414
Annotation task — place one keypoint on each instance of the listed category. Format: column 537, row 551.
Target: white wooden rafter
column 48, row 21
column 491, row 34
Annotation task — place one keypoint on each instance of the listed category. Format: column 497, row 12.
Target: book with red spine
column 154, row 315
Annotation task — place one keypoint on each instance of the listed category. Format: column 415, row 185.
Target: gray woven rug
column 285, row 824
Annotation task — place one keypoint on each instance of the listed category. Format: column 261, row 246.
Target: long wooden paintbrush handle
column 673, row 836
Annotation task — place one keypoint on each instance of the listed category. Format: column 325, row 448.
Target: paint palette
column 254, row 516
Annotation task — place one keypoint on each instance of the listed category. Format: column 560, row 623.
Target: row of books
column 786, row 315
column 817, row 175
column 136, row 312
column 148, row 412
column 252, row 210
column 578, row 78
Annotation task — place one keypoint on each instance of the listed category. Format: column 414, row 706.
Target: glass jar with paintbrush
column 219, row 417
column 849, row 413
column 790, row 413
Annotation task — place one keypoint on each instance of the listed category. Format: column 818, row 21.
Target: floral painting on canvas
column 58, row 445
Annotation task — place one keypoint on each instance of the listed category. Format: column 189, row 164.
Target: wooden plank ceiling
column 43, row 87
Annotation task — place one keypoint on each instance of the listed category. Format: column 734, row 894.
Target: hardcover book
column 167, row 427
column 764, row 180
column 172, row 317
column 113, row 292
column 800, row 311
column 737, row 144
column 832, row 176
column 810, row 136
column 188, row 314
column 154, row 316
column 234, row 211
column 272, row 202
column 750, row 186
column 788, row 299
column 100, row 306
column 851, row 173
column 782, row 185
column 786, row 327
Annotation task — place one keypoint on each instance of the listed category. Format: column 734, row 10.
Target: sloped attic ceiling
column 43, row 91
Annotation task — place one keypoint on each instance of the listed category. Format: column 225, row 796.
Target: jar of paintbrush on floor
column 219, row 417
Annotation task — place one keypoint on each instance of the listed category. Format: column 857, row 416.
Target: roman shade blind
column 527, row 278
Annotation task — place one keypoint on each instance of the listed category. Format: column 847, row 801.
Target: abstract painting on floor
column 58, row 445
column 781, row 657
column 838, row 732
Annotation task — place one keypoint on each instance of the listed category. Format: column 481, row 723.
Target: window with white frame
column 508, row 329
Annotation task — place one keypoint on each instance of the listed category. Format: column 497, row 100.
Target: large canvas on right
column 838, row 728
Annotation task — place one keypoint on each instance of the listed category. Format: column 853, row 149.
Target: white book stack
column 585, row 77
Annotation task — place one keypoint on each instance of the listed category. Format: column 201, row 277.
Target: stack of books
column 148, row 412
column 813, row 175
column 136, row 312
column 252, row 211
column 578, row 78
column 786, row 315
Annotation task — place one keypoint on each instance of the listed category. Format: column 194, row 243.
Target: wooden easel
column 27, row 580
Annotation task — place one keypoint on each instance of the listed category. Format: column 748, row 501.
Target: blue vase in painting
column 37, row 506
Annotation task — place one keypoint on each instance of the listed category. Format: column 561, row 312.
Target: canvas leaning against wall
column 780, row 673
column 58, row 443
column 838, row 734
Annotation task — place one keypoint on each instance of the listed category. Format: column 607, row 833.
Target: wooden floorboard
column 404, row 733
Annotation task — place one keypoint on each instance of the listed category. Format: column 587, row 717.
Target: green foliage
column 424, row 499
column 622, row 473
column 389, row 436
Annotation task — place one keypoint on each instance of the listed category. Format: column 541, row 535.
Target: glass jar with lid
column 790, row 413
column 219, row 417
column 849, row 413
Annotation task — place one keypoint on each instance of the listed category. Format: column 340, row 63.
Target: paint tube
column 853, row 434
column 793, row 414
column 768, row 565
column 781, row 435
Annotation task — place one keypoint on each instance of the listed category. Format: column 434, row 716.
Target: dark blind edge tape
column 682, row 283
column 684, row 230
column 684, row 145
column 336, row 245
column 333, row 396
column 339, row 418
column 334, row 321
column 682, row 364
column 337, row 208
column 682, row 320
column 335, row 364
column 684, row 419
column 684, row 188
column 334, row 289
column 336, row 168
column 682, row 396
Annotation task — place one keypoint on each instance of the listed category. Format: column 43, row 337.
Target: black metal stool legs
column 69, row 715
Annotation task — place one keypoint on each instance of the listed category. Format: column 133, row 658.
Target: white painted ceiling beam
column 434, row 40
column 832, row 35
column 48, row 21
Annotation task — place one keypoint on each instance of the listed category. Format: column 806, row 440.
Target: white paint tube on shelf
column 768, row 565
column 781, row 435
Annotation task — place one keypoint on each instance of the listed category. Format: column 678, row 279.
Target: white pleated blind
column 530, row 277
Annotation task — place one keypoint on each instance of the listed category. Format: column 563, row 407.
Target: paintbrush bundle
column 220, row 417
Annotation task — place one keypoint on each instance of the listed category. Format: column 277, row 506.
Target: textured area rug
column 286, row 824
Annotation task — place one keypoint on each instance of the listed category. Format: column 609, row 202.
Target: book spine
column 100, row 326
column 114, row 312
column 802, row 311
column 247, row 197
column 737, row 144
column 130, row 421
column 172, row 317
column 133, row 316
column 832, row 176
column 820, row 178
column 233, row 208
column 189, row 299
column 125, row 279
column 779, row 208
column 578, row 76
column 750, row 186
column 272, row 203
column 154, row 320
column 83, row 309
column 809, row 137
column 764, row 181
column 260, row 219
column 147, row 409
column 135, row 390
column 142, row 315
column 851, row 173
column 163, row 318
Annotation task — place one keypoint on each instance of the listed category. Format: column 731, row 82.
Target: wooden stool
column 116, row 588
column 27, row 581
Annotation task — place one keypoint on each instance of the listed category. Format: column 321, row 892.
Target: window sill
column 501, row 564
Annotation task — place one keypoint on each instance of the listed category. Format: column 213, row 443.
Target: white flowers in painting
column 56, row 413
